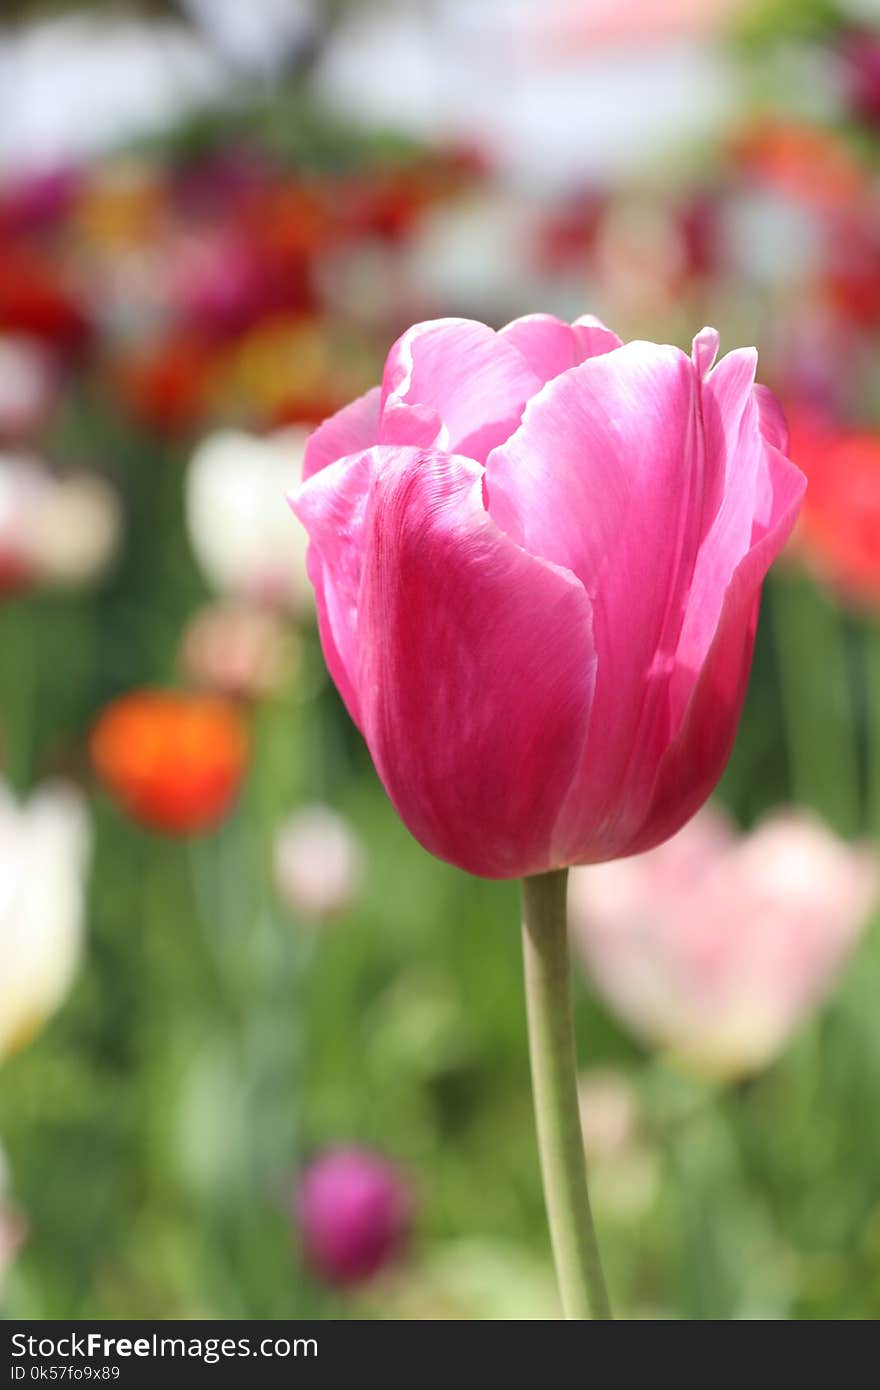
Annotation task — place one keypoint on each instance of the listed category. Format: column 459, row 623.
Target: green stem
column 554, row 1082
column 17, row 694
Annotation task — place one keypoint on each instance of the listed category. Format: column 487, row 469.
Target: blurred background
column 260, row 1055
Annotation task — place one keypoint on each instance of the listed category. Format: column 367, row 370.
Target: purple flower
column 354, row 1212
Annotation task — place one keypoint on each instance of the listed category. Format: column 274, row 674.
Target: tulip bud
column 354, row 1212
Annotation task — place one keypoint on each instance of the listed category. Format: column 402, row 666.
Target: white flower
column 244, row 535
column 319, row 862
column 44, row 853
column 75, row 530
column 54, row 529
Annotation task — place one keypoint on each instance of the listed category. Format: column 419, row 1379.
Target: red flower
column 168, row 387
column 839, row 528
column 173, row 761
column 35, row 301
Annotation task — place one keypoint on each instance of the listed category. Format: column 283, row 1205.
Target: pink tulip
column 354, row 1213
column 538, row 557
column 716, row 946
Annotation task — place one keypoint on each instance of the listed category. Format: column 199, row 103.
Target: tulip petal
column 696, row 756
column 351, row 429
column 476, row 668
column 332, row 506
column 551, row 346
column 742, row 494
column 705, row 350
column 411, row 424
column 606, row 477
column 476, row 382
column 774, row 425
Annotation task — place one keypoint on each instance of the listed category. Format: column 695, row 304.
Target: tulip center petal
column 475, row 668
column 461, row 373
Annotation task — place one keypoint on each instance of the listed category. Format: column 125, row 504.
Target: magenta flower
column 538, row 557
column 354, row 1212
column 861, row 56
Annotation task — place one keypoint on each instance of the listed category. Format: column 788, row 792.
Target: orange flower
column 839, row 529
column 806, row 162
column 173, row 761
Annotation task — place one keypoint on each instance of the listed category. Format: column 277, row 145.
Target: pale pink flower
column 13, row 1226
column 239, row 650
column 319, row 862
column 28, row 386
column 717, row 946
column 584, row 24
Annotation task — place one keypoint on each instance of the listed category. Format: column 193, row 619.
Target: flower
column 172, row 760
column 28, row 386
column 569, row 25
column 538, row 557
column 222, row 285
column 354, row 1212
column 35, row 302
column 624, row 1174
column 609, row 1112
column 23, row 485
column 238, row 650
column 53, row 529
column 44, row 854
column 242, row 536
column 803, row 161
column 319, row 862
column 74, row 532
column 717, row 946
column 839, row 529
column 167, row 387
column 13, row 1225
column 860, row 56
